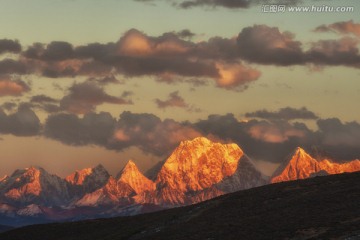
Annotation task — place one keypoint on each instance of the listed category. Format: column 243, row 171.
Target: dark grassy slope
column 319, row 208
column 4, row 228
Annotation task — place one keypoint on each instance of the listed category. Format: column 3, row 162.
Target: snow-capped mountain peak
column 298, row 165
column 131, row 175
column 198, row 164
column 79, row 177
column 34, row 185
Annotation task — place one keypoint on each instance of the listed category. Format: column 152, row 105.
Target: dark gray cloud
column 173, row 57
column 45, row 103
column 151, row 134
column 185, row 33
column 137, row 54
column 274, row 140
column 93, row 128
column 145, row 131
column 233, row 4
column 337, row 52
column 267, row 45
column 215, row 3
column 287, row 113
column 106, row 80
column 54, row 51
column 127, row 94
column 24, row 122
column 10, row 66
column 174, row 100
column 96, row 51
column 340, row 140
column 84, row 97
column 9, row 46
column 42, row 98
column 9, row 106
column 263, row 140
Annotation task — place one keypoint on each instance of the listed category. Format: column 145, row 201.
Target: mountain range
column 323, row 207
column 197, row 170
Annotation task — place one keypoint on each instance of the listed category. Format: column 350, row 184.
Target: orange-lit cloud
column 10, row 87
column 174, row 57
column 274, row 134
column 234, row 75
column 348, row 27
column 136, row 43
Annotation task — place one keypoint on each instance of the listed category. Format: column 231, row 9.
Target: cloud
column 273, row 140
column 174, row 58
column 185, row 33
column 150, row 133
column 340, row 139
column 271, row 132
column 168, row 57
column 336, row 133
column 54, row 51
column 287, row 113
column 9, row 87
column 24, row 122
column 8, row 106
column 10, row 66
column 106, row 80
column 42, row 98
column 215, row 3
column 233, row 4
column 96, row 51
column 145, row 131
column 126, row 94
column 136, row 43
column 262, row 140
column 267, row 45
column 92, row 128
column 174, row 100
column 235, row 76
column 137, row 54
column 346, row 27
column 45, row 103
column 9, row 46
column 217, row 48
column 338, row 52
column 84, row 97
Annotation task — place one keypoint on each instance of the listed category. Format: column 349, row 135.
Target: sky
column 85, row 82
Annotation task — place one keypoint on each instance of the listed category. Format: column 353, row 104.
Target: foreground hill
column 323, row 207
column 4, row 228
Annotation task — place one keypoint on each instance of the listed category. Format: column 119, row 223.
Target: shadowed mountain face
column 317, row 208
